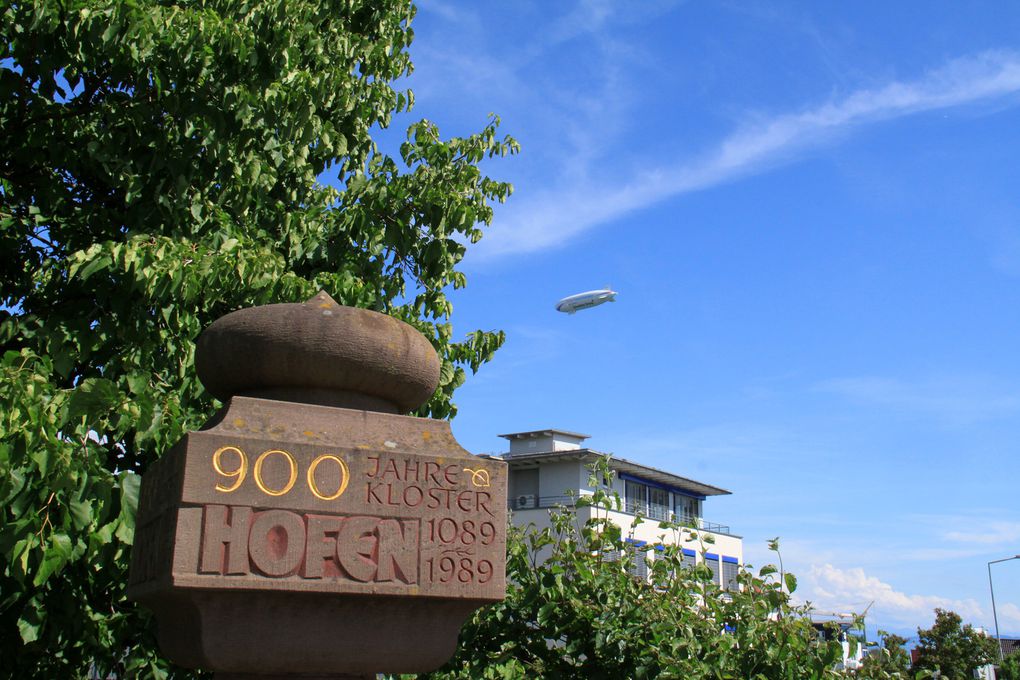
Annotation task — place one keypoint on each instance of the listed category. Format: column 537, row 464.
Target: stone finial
column 318, row 352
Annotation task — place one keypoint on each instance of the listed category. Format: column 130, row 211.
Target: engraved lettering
column 390, row 500
column 413, row 496
column 411, row 470
column 398, row 551
column 356, row 547
column 479, row 505
column 277, row 542
column 290, row 480
column 238, row 472
column 436, row 498
column 372, row 493
column 391, row 469
column 345, row 477
column 320, row 549
column 225, row 541
column 447, row 530
column 432, row 472
column 452, row 474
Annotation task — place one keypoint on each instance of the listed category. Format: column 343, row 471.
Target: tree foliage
column 1009, row 669
column 159, row 169
column 578, row 613
column 890, row 661
column 952, row 648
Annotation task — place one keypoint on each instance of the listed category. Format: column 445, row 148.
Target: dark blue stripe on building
column 664, row 487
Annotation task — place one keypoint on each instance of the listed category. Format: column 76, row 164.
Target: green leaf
column 138, row 382
column 446, row 373
column 130, row 484
column 791, row 582
column 92, row 397
column 81, row 513
column 58, row 551
column 94, row 266
column 29, row 630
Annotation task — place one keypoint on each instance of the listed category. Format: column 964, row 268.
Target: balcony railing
column 654, row 512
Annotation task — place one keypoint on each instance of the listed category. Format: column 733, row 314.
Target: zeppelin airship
column 593, row 298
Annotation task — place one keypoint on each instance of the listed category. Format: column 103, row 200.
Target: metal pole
column 998, row 639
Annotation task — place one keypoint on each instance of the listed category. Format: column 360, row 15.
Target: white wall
column 648, row 531
column 556, row 442
column 557, row 479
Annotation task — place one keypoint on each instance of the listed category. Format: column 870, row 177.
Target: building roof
column 544, row 433
column 623, row 465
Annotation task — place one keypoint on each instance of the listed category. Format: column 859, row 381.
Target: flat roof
column 622, row 465
column 547, row 433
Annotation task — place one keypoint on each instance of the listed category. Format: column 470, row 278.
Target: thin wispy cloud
column 554, row 216
column 990, row 534
column 959, row 400
column 728, row 441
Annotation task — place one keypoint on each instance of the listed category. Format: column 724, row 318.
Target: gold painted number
column 345, row 476
column 238, row 473
column 258, row 473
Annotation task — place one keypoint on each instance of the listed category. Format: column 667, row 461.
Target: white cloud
column 446, row 10
column 552, row 217
column 830, row 588
column 958, row 400
column 989, row 533
column 588, row 16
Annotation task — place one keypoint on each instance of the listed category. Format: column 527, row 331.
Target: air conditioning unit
column 525, row 501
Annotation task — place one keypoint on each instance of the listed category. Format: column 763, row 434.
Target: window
column 685, row 508
column 637, row 498
column 658, row 503
column 712, row 562
column 730, row 569
column 638, row 552
column 689, row 559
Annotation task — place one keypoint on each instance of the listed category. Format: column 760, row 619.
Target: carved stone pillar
column 310, row 530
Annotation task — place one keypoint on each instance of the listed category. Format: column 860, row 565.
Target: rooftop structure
column 550, row 468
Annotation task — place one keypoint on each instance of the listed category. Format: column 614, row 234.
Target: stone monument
column 309, row 529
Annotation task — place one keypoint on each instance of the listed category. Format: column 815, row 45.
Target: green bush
column 578, row 613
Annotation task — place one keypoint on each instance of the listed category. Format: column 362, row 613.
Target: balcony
column 657, row 513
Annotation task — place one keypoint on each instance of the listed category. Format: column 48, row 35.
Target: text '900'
column 232, row 464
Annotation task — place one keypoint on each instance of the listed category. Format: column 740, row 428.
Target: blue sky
column 811, row 214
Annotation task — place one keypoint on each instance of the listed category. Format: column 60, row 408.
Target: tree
column 1009, row 669
column 579, row 614
column 891, row 661
column 952, row 648
column 159, row 169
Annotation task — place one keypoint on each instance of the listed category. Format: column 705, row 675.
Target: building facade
column 550, row 468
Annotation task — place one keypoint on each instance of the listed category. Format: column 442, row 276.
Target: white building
column 548, row 468
column 841, row 626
